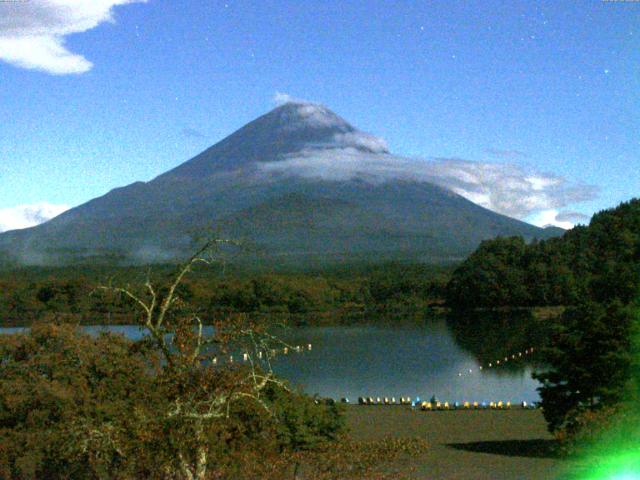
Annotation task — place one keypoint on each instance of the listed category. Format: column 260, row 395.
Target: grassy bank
column 480, row 444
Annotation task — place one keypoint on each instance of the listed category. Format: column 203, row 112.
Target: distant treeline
column 335, row 296
column 596, row 262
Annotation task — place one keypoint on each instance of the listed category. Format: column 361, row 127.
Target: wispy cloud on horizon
column 32, row 33
column 24, row 216
column 502, row 187
column 573, row 217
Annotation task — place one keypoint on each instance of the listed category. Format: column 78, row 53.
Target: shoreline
column 409, row 315
column 479, row 444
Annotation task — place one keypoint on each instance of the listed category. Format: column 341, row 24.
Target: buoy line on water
column 466, row 405
column 268, row 354
column 261, row 354
column 498, row 363
column 436, row 405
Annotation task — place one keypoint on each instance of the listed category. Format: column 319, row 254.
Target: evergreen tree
column 589, row 362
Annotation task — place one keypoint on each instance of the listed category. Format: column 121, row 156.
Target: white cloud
column 32, row 33
column 573, row 217
column 306, row 114
column 318, row 116
column 362, row 140
column 546, row 218
column 281, row 98
column 24, row 216
column 541, row 183
column 503, row 187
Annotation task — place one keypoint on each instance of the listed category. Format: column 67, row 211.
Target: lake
column 394, row 361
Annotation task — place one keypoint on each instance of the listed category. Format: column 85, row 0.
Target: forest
column 590, row 363
column 600, row 261
column 340, row 295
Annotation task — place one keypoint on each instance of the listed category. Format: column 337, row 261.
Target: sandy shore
column 477, row 445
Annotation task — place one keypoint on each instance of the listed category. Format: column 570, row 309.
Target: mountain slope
column 233, row 187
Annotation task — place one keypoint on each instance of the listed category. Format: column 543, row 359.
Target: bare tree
column 195, row 354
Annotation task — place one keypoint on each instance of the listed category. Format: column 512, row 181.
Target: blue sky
column 97, row 97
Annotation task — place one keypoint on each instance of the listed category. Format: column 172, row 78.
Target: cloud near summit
column 24, row 216
column 502, row 187
column 32, row 33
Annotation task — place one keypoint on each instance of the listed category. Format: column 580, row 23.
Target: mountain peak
column 296, row 114
column 292, row 127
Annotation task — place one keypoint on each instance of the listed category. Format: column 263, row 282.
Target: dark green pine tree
column 588, row 363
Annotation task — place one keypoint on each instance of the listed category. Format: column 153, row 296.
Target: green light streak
column 616, row 455
column 617, row 466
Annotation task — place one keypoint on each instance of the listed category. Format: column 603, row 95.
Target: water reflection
column 420, row 359
column 491, row 336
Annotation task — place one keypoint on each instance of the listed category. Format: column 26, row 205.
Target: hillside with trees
column 599, row 261
column 589, row 359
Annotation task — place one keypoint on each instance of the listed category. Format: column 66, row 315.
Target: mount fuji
column 300, row 183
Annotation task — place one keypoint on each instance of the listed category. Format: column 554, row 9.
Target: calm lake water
column 379, row 361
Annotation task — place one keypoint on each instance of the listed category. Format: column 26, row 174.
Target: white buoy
column 245, row 356
column 215, row 360
column 260, row 354
column 285, row 350
column 309, row 347
column 230, row 358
